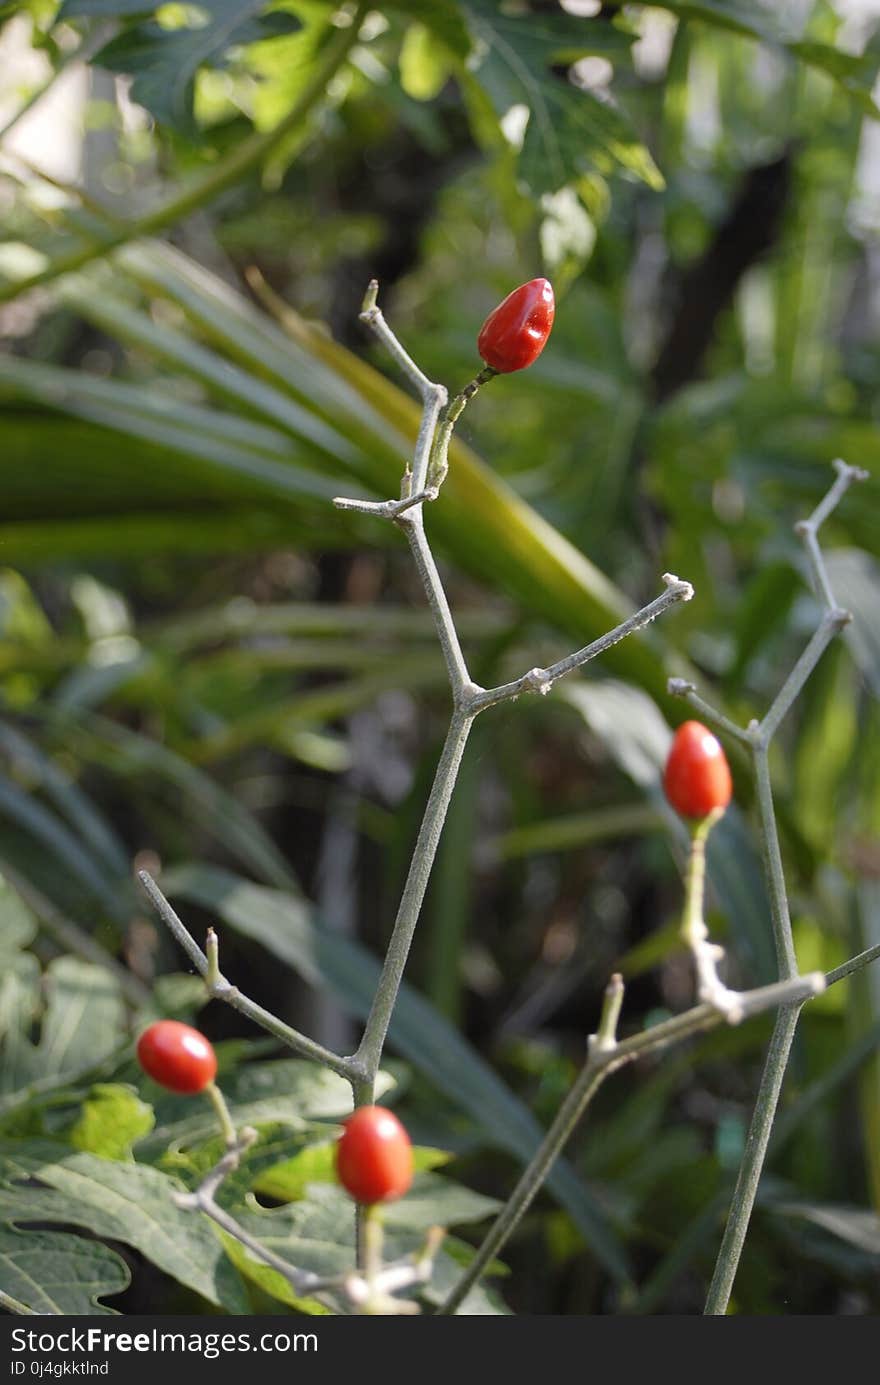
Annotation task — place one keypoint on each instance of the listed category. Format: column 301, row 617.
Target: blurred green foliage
column 201, row 661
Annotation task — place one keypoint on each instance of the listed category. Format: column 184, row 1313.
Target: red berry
column 515, row 333
column 374, row 1156
column 176, row 1056
column 697, row 778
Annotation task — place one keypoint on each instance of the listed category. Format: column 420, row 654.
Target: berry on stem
column 515, row 333
column 374, row 1159
column 177, row 1056
column 697, row 778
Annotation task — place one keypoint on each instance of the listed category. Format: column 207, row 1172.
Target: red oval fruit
column 374, row 1156
column 697, row 777
column 515, row 333
column 176, row 1056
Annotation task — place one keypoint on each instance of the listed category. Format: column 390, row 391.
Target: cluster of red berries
column 374, row 1159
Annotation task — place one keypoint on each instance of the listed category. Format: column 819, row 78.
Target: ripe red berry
column 374, row 1156
column 697, row 778
column 176, row 1056
column 515, row 333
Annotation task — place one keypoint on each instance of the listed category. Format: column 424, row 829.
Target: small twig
column 439, row 461
column 605, row 1055
column 385, row 509
column 862, row 959
column 220, row 989
column 541, row 680
column 680, row 687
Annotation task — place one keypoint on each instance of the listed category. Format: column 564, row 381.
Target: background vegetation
column 204, row 667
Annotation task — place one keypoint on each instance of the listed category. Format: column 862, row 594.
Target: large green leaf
column 51, row 1272
column 82, row 1018
column 125, row 1202
column 164, row 61
column 282, row 923
column 569, row 130
column 855, row 581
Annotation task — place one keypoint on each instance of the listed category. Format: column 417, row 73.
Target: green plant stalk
column 221, row 989
column 369, row 1054
column 221, row 1110
column 606, row 1055
column 752, row 1165
column 776, row 1063
column 240, row 161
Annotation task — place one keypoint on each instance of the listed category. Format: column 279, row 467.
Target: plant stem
column 369, row 1053
column 224, row 1119
column 782, row 935
column 413, row 524
column 760, row 736
column 221, row 989
column 606, row 1056
column 752, row 1165
column 567, row 1117
column 541, row 680
column 240, row 161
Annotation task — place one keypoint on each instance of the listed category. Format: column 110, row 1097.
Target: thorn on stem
column 368, row 306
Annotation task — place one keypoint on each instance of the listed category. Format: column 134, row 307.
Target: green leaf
column 855, row 73
column 317, row 1235
column 43, row 774
column 855, row 580
column 50, row 832
column 124, row 1202
column 288, row 1181
column 287, row 1092
column 444, row 19
column 164, row 61
column 854, row 1225
column 437, row 1201
column 84, row 1017
column 112, row 1119
column 18, row 926
column 51, row 1272
column 82, row 1022
column 143, row 761
column 569, row 131
column 283, row 924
